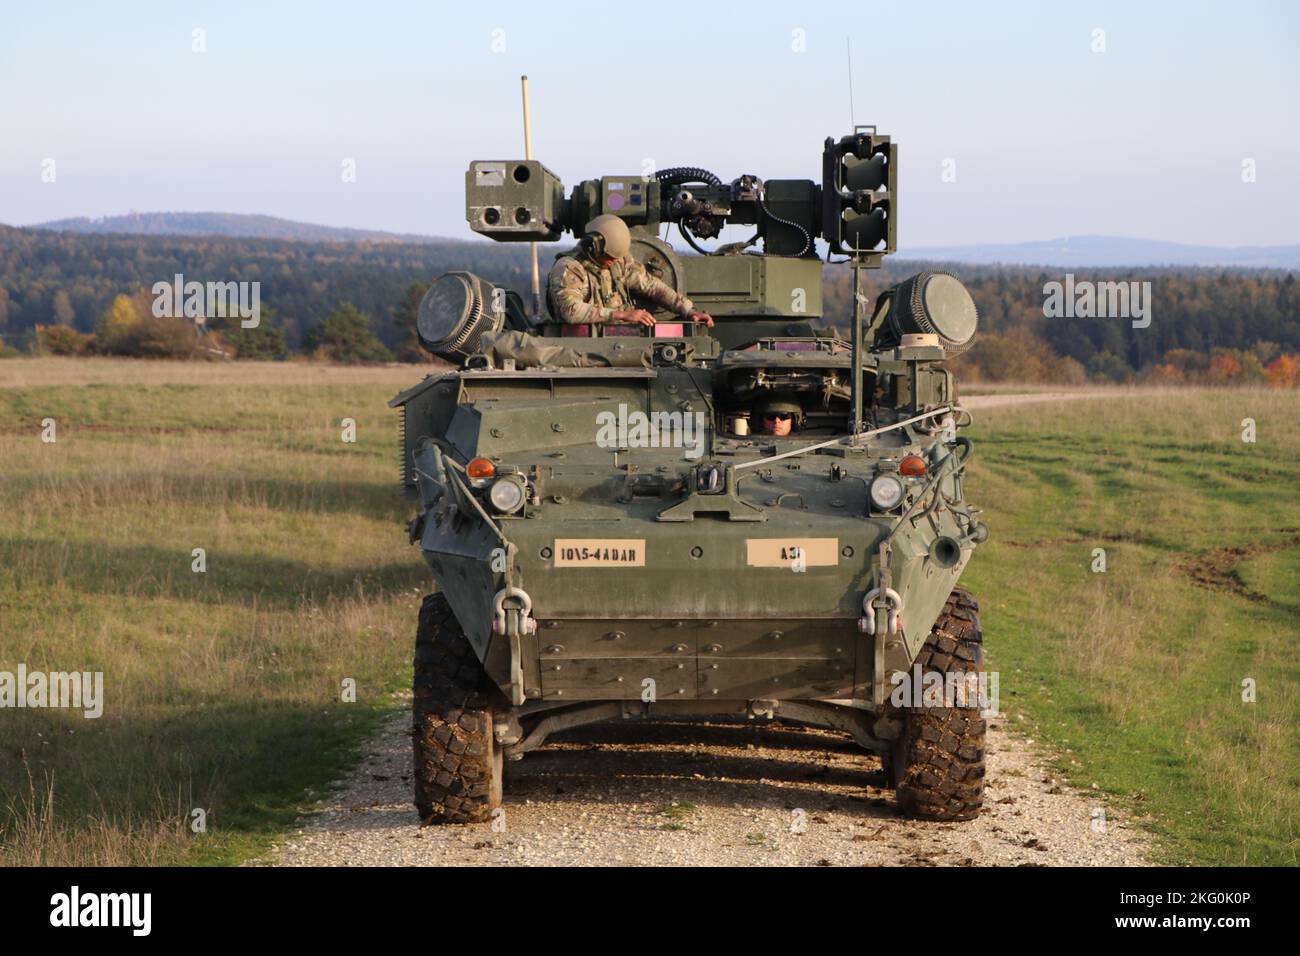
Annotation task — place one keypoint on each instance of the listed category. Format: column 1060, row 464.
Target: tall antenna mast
column 528, row 154
column 848, row 53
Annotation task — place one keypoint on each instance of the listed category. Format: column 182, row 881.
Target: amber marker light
column 480, row 468
column 912, row 465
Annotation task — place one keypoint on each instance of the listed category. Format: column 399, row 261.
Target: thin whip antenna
column 848, row 52
column 536, row 304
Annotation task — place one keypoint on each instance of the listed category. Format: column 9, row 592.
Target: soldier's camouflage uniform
column 580, row 291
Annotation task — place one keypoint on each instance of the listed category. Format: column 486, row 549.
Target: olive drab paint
column 752, row 574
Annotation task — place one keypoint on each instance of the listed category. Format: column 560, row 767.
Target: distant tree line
column 1208, row 326
column 357, row 301
column 59, row 278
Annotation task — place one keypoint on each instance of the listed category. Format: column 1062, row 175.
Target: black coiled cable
column 676, row 175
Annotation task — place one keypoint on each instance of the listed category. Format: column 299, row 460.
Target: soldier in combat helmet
column 780, row 415
column 597, row 283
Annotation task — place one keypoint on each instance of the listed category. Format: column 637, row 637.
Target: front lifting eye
column 709, row 480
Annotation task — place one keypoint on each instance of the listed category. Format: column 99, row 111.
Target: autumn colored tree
column 1016, row 356
column 1284, row 371
column 161, row 338
column 62, row 340
column 1224, row 368
column 1166, row 374
column 117, row 321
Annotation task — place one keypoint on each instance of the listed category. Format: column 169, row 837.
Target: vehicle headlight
column 506, row 495
column 886, row 492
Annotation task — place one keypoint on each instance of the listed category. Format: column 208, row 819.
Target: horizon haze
column 1015, row 124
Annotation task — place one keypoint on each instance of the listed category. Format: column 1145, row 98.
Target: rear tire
column 458, row 766
column 936, row 765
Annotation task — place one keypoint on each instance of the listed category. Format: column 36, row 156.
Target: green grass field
column 1136, row 674
column 223, row 688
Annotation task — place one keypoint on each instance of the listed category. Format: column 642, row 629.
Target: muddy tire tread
column 452, row 723
column 937, row 766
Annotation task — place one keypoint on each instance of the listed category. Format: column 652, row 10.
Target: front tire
column 458, row 767
column 936, row 765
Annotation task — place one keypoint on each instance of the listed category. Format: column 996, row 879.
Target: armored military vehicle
column 763, row 519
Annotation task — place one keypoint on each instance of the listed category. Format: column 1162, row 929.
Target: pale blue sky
column 1146, row 139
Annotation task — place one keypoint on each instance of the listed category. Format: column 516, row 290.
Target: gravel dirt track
column 639, row 793
column 728, row 794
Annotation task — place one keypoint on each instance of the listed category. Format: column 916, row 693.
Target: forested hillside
column 1247, row 319
column 1194, row 315
column 71, row 279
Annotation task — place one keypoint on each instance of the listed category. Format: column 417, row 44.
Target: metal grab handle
column 961, row 441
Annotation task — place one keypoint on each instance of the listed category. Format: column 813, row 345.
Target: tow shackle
column 867, row 623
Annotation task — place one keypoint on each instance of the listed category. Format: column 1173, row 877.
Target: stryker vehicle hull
column 716, row 606
column 755, row 518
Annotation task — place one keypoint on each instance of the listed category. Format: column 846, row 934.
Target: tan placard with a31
column 785, row 552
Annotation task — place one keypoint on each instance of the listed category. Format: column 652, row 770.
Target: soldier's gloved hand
column 634, row 315
column 701, row 317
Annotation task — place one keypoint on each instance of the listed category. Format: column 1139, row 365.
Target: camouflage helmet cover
column 781, row 403
column 613, row 230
